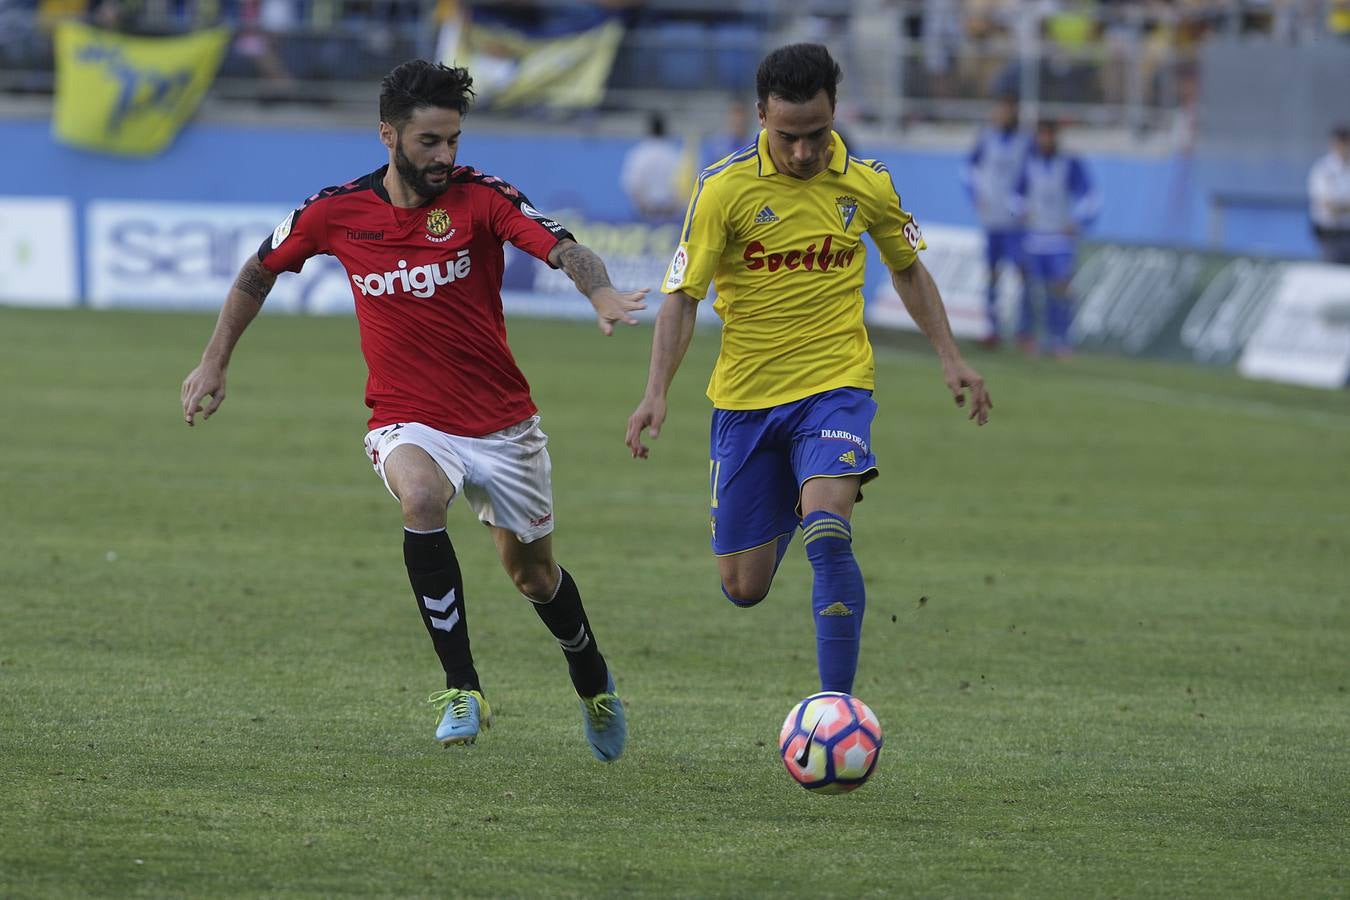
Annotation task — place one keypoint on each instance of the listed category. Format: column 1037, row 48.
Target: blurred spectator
column 1055, row 201
column 736, row 132
column 17, row 21
column 1329, row 198
column 260, row 21
column 49, row 12
column 117, row 15
column 1338, row 18
column 990, row 175
column 650, row 175
column 942, row 35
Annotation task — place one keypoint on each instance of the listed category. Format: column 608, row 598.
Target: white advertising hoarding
column 38, row 262
column 955, row 258
column 184, row 255
column 1304, row 337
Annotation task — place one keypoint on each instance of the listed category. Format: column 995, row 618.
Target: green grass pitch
column 1128, row 677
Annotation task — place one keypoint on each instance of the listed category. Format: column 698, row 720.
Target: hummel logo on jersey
column 836, row 609
column 766, row 216
column 850, row 457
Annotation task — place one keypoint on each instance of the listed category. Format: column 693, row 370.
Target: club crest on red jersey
column 438, row 226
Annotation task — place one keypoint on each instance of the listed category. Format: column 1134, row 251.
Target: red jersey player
column 421, row 239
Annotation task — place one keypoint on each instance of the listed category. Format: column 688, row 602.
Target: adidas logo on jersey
column 766, row 216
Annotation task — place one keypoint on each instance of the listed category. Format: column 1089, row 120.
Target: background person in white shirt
column 1329, row 198
column 650, row 175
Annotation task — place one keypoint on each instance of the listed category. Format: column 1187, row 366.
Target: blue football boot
column 606, row 728
column 466, row 713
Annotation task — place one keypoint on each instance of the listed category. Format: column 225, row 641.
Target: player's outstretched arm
column 242, row 304
column 921, row 298
column 670, row 339
column 587, row 271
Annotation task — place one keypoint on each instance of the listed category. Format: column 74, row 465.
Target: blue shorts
column 1001, row 245
column 1050, row 266
column 760, row 458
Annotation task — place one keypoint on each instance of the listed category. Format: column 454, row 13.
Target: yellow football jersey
column 787, row 258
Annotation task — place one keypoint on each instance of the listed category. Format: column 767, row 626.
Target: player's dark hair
column 796, row 73
column 417, row 84
column 1341, row 133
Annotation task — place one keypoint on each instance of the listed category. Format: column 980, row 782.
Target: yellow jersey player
column 777, row 226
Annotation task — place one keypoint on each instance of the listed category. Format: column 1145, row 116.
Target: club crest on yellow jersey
column 848, row 208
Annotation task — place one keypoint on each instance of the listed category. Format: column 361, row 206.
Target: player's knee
column 536, row 582
column 423, row 504
column 744, row 592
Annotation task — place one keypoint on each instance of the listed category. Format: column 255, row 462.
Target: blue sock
column 837, row 598
column 1059, row 316
column 991, row 303
column 1026, row 311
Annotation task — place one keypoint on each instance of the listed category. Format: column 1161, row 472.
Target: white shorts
column 506, row 476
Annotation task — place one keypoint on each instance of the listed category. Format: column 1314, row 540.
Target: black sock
column 433, row 571
column 566, row 619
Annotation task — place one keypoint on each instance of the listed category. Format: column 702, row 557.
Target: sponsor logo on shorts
column 542, row 520
column 851, row 458
column 833, row 434
column 420, row 281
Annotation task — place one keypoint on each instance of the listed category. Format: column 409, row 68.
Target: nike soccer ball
column 830, row 743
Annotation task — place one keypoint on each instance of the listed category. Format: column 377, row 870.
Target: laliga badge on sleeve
column 678, row 264
column 282, row 231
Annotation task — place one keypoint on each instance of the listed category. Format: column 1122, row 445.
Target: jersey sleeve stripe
column 739, row 156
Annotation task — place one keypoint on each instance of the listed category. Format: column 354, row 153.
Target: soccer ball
column 830, row 743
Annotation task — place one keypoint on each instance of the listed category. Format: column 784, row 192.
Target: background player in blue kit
column 1055, row 200
column 990, row 176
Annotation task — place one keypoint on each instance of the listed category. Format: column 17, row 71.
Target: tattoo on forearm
column 585, row 269
column 255, row 281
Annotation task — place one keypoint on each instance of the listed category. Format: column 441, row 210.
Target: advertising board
column 38, row 258
column 186, row 255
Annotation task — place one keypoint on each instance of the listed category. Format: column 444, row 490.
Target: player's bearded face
column 425, row 148
column 428, row 180
column 800, row 141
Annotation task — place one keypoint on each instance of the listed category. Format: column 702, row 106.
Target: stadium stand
column 1108, row 63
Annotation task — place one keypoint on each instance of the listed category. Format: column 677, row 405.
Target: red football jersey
column 427, row 283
